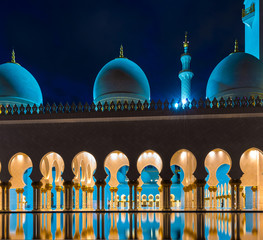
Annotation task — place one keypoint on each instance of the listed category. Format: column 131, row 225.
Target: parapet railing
column 248, row 10
column 171, row 106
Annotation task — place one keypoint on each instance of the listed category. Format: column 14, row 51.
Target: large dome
column 121, row 80
column 238, row 75
column 18, row 86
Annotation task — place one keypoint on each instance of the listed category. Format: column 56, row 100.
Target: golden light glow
column 20, row 157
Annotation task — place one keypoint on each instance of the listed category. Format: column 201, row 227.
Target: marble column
column 6, row 195
column 115, row 198
column 19, row 192
column 194, row 195
column 112, row 197
column 232, row 196
column 166, row 184
column 254, row 189
column 58, row 192
column 103, row 184
column 48, row 190
column 200, row 193
column 241, row 197
column 214, row 197
column 77, row 187
column 130, row 195
column 68, row 185
column 37, row 199
column 90, row 198
column 98, row 184
column 210, row 189
column 190, row 196
column 139, row 189
column 185, row 197
column 84, row 197
column 135, row 195
column 238, row 196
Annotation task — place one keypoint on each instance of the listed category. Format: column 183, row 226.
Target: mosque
column 125, row 151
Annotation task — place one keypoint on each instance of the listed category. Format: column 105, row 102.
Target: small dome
column 121, row 80
column 18, row 86
column 238, row 75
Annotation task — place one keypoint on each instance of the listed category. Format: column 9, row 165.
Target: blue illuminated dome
column 121, row 80
column 18, row 86
column 238, row 75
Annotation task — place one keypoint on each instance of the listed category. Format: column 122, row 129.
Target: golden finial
column 121, row 52
column 236, row 46
column 186, row 43
column 13, row 57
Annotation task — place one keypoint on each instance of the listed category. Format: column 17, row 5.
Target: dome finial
column 13, row 57
column 186, row 43
column 236, row 46
column 121, row 52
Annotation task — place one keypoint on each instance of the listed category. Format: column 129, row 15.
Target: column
column 90, row 199
column 139, row 189
column 112, row 197
column 185, row 197
column 135, row 195
column 254, row 189
column 103, row 184
column 84, row 197
column 214, row 195
column 200, row 193
column 48, row 190
column 194, row 195
column 18, row 198
column 68, row 195
column 130, row 198
column 232, row 196
column 238, row 195
column 44, row 199
column 190, row 196
column 58, row 192
column 77, row 187
column 37, row 199
column 98, row 184
column 166, row 184
column 5, row 195
column 210, row 189
column 115, row 198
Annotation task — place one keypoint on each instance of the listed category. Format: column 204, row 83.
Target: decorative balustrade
column 171, row 106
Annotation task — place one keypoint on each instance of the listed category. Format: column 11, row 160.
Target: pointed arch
column 83, row 166
column 187, row 162
column 114, row 162
column 17, row 166
column 213, row 161
column 49, row 161
column 251, row 163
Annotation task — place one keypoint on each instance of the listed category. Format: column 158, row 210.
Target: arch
column 17, row 166
column 187, row 162
column 149, row 157
column 251, row 163
column 113, row 162
column 49, row 161
column 213, row 161
column 83, row 166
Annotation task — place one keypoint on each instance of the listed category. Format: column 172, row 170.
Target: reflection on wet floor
column 141, row 225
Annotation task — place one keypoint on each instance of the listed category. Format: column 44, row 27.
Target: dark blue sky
column 64, row 44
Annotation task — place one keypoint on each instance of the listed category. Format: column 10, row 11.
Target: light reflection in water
column 141, row 225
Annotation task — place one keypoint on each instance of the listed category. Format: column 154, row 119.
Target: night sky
column 64, row 44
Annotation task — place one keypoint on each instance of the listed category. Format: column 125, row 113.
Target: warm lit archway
column 149, row 166
column 217, row 189
column 251, row 163
column 52, row 166
column 20, row 167
column 116, row 165
column 83, row 166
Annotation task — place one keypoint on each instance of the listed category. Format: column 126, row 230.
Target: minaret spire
column 186, row 74
column 121, row 52
column 186, row 43
column 236, row 46
column 13, row 57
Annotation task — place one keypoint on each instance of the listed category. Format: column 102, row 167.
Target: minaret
column 186, row 74
column 252, row 17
